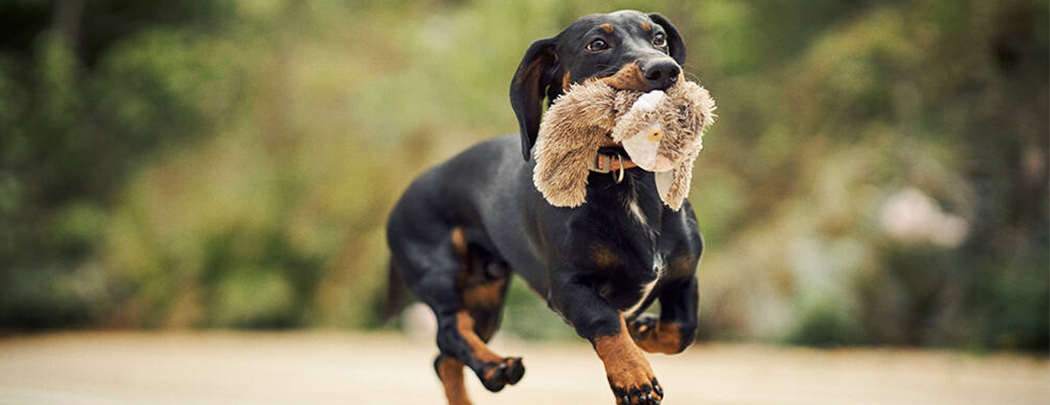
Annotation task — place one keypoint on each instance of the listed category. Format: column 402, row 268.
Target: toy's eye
column 597, row 45
column 659, row 40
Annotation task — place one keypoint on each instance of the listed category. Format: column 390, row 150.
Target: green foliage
column 68, row 143
column 878, row 174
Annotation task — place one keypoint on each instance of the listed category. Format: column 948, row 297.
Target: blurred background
column 878, row 175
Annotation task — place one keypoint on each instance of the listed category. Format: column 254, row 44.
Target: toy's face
column 645, row 145
column 662, row 129
column 627, row 50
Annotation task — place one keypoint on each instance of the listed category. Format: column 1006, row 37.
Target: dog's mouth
column 660, row 74
column 629, row 77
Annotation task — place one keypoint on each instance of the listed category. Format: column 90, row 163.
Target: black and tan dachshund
column 463, row 227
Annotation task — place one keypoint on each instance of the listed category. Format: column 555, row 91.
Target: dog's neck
column 634, row 196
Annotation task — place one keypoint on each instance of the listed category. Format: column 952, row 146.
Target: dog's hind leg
column 464, row 328
column 450, row 370
column 457, row 338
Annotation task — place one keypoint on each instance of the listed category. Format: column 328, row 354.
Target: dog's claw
column 643, row 393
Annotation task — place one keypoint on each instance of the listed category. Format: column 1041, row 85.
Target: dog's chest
column 646, row 288
column 642, row 263
column 629, row 288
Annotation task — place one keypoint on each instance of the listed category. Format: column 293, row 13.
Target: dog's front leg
column 675, row 329
column 631, row 379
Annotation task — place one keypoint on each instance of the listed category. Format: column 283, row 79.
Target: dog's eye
column 659, row 40
column 597, row 45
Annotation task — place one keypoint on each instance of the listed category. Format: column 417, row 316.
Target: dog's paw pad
column 497, row 375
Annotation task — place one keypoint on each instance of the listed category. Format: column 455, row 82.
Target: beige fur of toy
column 592, row 115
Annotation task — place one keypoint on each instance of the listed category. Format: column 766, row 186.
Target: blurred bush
column 878, row 174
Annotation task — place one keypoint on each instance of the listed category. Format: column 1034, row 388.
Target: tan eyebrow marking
column 607, row 28
column 647, row 27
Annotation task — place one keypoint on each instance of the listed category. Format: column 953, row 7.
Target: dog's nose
column 661, row 74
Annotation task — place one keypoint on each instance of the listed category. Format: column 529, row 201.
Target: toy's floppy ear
column 673, row 185
column 528, row 87
column 562, row 166
column 575, row 127
column 675, row 44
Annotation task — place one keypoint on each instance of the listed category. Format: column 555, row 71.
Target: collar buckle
column 619, row 162
column 615, row 164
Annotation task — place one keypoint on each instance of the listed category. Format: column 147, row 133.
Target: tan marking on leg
column 565, row 81
column 625, row 365
column 608, row 28
column 486, row 297
column 482, row 291
column 646, row 26
column 629, row 77
column 667, row 338
column 479, row 290
column 450, row 371
column 603, row 256
column 465, row 326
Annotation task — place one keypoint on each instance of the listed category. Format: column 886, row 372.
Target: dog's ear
column 528, row 88
column 675, row 44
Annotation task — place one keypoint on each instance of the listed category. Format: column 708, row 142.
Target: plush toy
column 660, row 131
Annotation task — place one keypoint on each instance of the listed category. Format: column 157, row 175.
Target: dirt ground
column 335, row 368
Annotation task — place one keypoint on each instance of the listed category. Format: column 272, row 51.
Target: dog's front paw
column 636, row 390
column 630, row 377
column 495, row 376
column 655, row 336
column 643, row 327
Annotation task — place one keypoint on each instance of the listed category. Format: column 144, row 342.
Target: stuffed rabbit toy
column 661, row 132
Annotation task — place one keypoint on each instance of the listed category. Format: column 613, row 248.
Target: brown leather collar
column 611, row 162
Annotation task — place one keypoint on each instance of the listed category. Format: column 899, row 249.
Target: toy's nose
column 660, row 74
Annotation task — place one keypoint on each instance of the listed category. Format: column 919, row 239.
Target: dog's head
column 627, row 50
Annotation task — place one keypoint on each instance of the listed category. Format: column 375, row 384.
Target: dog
column 461, row 229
